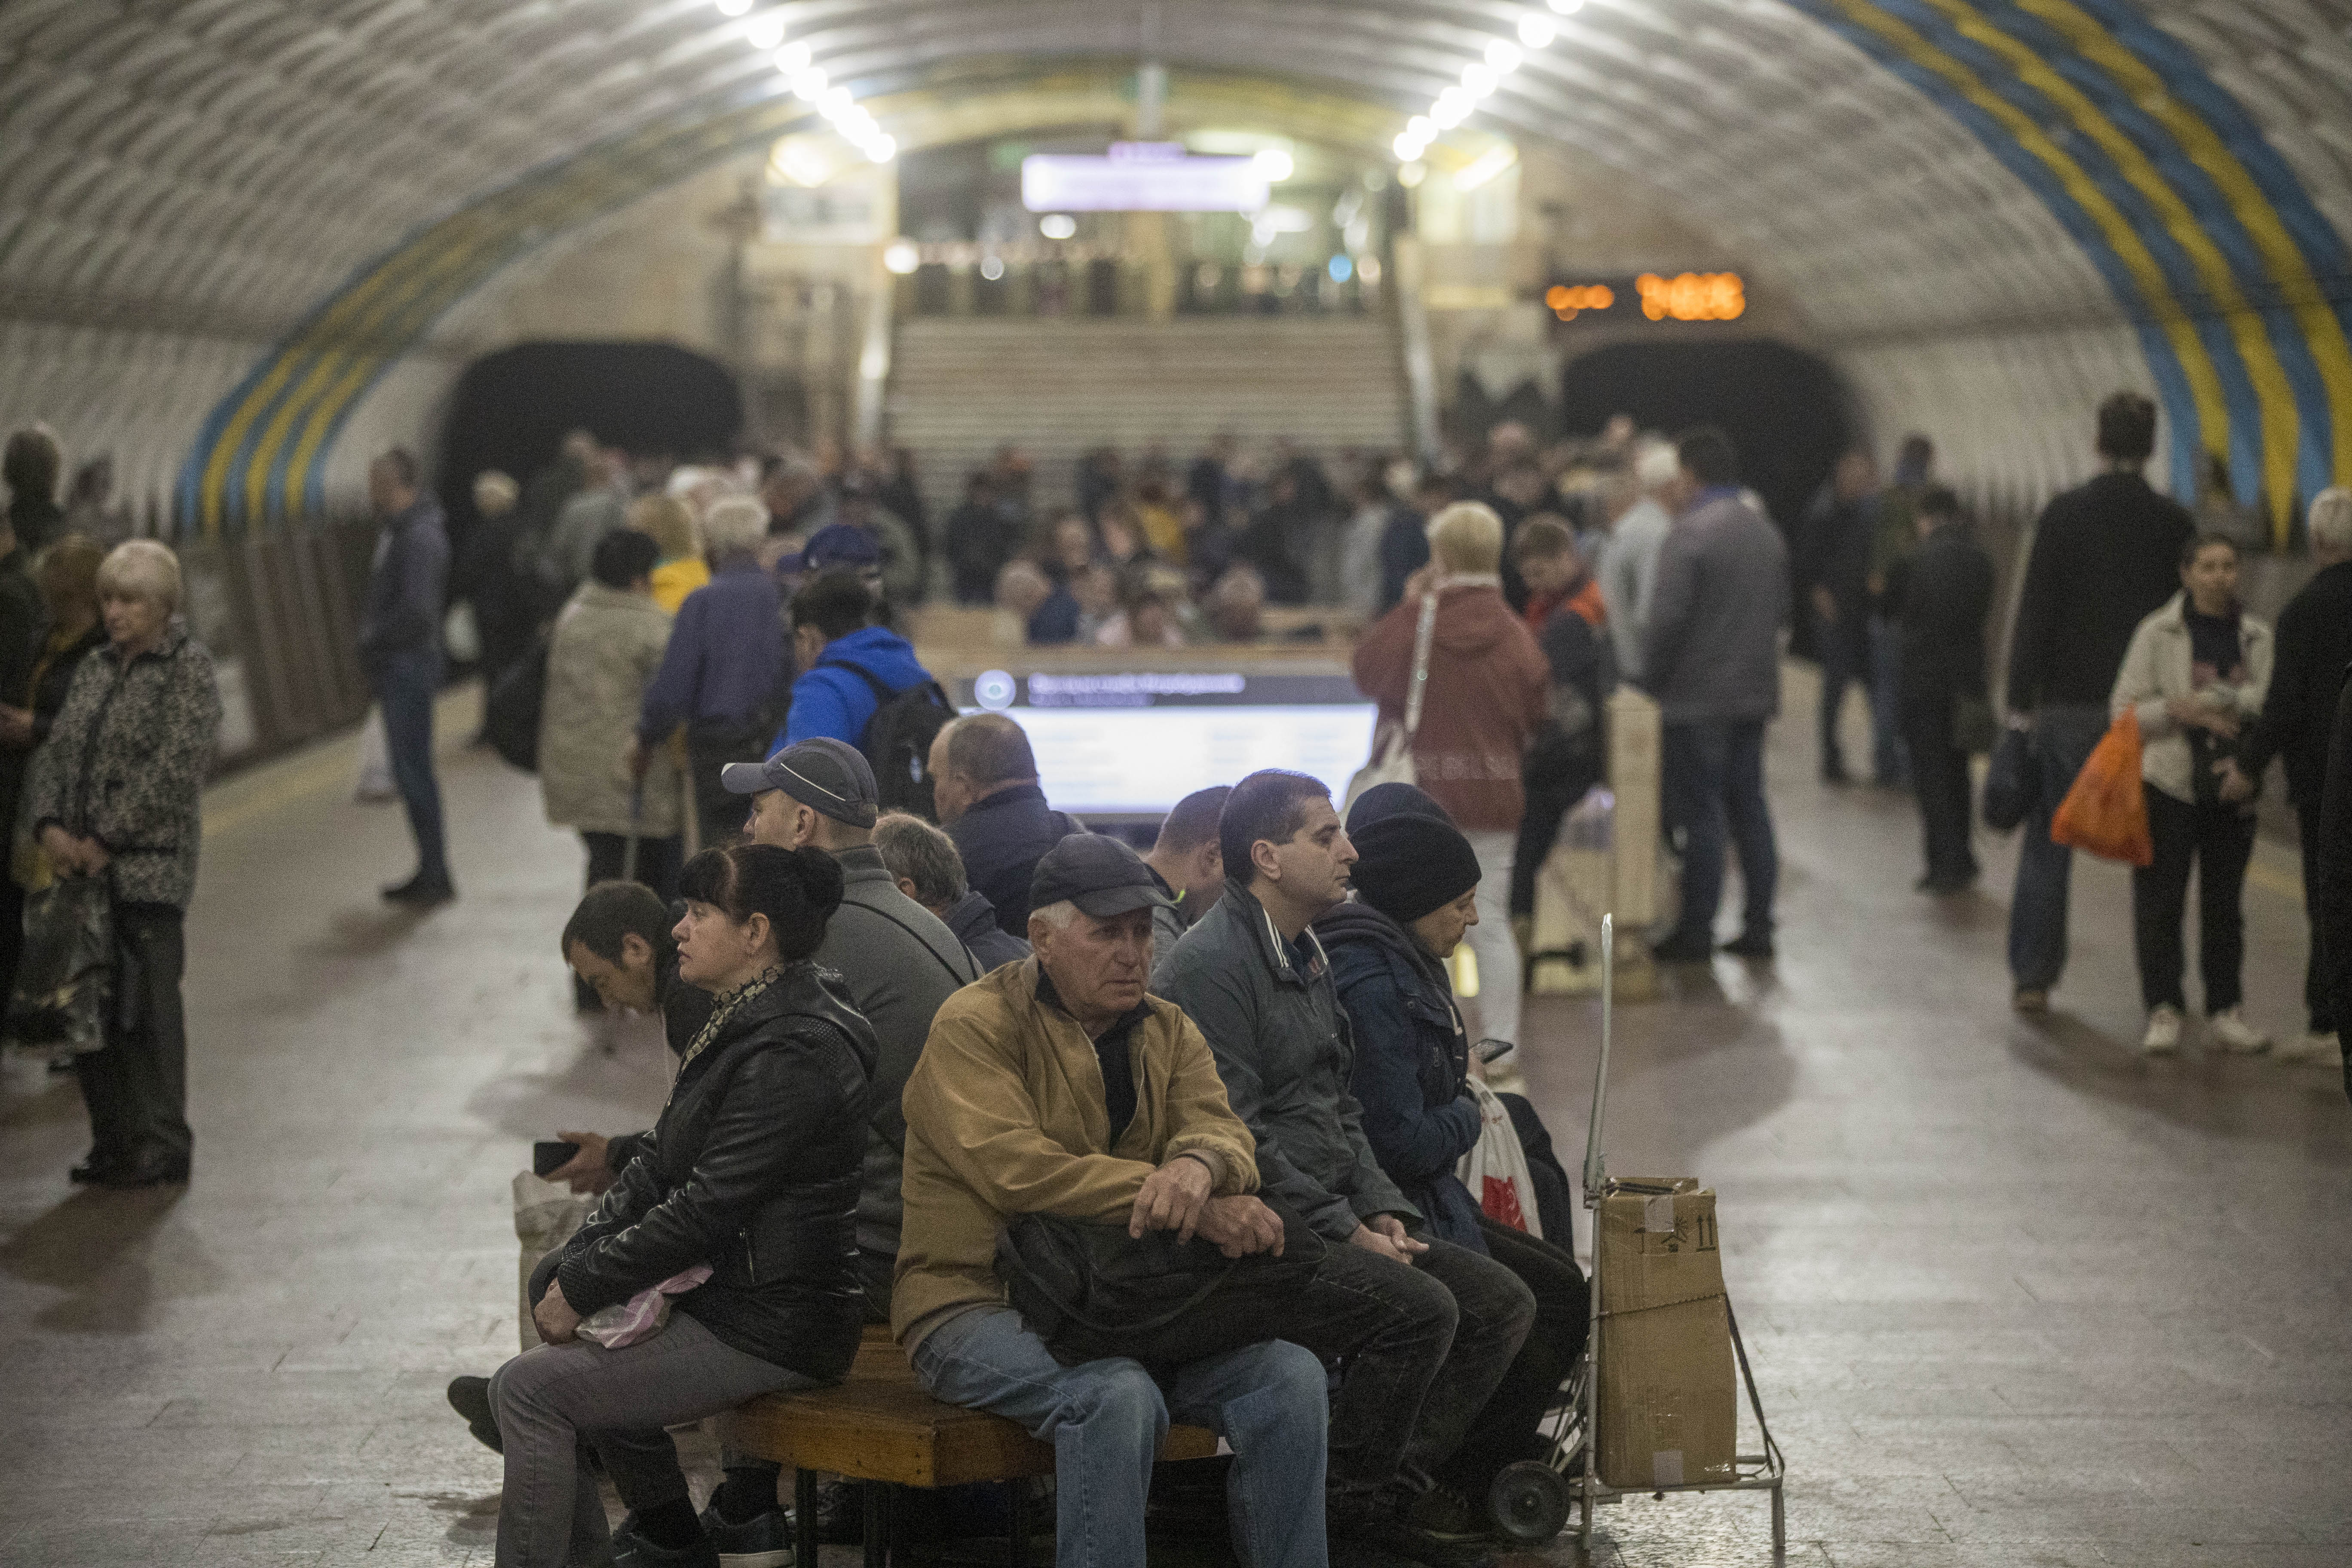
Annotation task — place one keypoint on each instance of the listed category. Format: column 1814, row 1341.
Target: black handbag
column 2009, row 783
column 1092, row 1291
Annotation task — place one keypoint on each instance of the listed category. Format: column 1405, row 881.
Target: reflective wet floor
column 2013, row 1294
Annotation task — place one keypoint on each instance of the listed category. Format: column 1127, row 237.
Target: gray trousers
column 546, row 1400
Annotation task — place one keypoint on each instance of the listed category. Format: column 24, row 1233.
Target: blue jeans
column 2063, row 740
column 1715, row 772
column 1106, row 1420
column 405, row 684
column 1890, row 760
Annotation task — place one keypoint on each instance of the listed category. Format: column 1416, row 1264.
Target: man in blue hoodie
column 849, row 669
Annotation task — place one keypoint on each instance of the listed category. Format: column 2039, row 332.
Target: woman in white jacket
column 2195, row 675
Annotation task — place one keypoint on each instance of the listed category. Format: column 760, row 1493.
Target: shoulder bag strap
column 1421, row 636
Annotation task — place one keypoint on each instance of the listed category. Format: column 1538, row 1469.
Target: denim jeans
column 1890, row 762
column 1106, row 1419
column 2063, row 740
column 547, row 1399
column 405, row 684
column 1714, row 773
column 1506, row 1429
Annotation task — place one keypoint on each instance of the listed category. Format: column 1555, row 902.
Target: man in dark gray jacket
column 399, row 649
column 1712, row 658
column 1252, row 975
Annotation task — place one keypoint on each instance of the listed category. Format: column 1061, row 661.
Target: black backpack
column 898, row 739
column 511, row 713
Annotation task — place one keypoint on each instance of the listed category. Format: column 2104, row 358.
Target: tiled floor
column 2014, row 1296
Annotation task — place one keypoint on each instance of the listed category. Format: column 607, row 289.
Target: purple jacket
column 725, row 655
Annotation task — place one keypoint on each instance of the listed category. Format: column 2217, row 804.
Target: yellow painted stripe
column 2281, row 419
column 2204, row 384
column 2321, row 326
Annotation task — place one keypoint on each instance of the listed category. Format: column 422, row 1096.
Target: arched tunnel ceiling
column 2010, row 188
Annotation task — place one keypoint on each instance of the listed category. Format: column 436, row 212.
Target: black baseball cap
column 1099, row 874
column 830, row 775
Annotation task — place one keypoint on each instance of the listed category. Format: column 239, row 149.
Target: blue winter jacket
column 830, row 701
column 1413, row 1064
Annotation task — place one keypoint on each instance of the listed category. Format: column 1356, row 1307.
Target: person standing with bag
column 2103, row 557
column 114, row 794
column 2194, row 676
column 1480, row 687
column 1943, row 593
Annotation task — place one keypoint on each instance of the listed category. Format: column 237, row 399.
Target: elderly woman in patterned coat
column 114, row 794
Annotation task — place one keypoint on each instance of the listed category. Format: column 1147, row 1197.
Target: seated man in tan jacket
column 1055, row 1086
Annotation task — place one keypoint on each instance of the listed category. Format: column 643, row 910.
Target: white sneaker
column 2321, row 1049
column 2163, row 1036
column 2229, row 1031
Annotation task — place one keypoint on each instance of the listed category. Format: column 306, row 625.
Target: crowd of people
column 926, row 1024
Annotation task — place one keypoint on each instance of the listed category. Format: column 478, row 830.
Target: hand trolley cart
column 1532, row 1498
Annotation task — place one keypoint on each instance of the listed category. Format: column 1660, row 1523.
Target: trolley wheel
column 1528, row 1501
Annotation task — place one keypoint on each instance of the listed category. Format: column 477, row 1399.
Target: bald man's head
column 974, row 758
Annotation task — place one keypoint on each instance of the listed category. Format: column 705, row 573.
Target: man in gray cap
column 899, row 959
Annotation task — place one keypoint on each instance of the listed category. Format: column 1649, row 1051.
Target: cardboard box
column 1669, row 1389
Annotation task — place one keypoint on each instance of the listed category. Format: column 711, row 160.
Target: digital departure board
column 1685, row 297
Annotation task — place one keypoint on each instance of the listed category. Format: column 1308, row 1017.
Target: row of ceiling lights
column 1479, row 79
column 810, row 85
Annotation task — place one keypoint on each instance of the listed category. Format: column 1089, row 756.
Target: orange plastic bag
column 2105, row 812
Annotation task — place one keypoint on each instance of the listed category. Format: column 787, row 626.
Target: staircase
column 960, row 388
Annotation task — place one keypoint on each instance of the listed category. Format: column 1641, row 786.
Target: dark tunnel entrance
column 512, row 408
column 1783, row 408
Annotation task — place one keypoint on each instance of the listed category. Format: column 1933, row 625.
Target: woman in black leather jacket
column 752, row 1171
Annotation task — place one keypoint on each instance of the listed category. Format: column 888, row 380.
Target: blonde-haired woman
column 1486, row 690
column 114, row 794
column 669, row 520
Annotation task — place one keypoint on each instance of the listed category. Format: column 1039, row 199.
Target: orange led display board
column 1687, row 296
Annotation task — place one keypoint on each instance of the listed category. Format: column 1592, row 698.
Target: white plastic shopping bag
column 1495, row 1168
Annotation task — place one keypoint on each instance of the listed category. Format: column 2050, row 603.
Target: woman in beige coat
column 2195, row 676
column 607, row 644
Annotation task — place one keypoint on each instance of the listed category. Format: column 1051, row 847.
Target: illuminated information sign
column 1142, row 177
column 1686, row 297
column 1134, row 743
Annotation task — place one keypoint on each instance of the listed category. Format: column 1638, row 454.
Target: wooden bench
column 879, row 1426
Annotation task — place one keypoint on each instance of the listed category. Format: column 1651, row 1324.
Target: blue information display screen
column 1134, row 743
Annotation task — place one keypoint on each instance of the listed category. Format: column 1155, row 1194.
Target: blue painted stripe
column 2186, row 440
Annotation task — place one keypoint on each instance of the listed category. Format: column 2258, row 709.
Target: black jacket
column 1001, row 838
column 1947, row 594
column 2331, row 902
column 1835, row 552
column 2105, row 556
column 754, row 1170
column 2311, row 648
column 1413, row 1064
column 973, row 919
column 22, row 620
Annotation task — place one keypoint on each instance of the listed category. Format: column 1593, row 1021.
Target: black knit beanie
column 1391, row 800
column 1408, row 865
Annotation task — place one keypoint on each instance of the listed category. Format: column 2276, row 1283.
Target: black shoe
column 1378, row 1523
column 840, row 1513
column 1680, row 948
column 1942, row 883
column 470, row 1397
column 1750, row 945
column 764, row 1540
column 150, row 1170
column 96, row 1166
column 1834, row 773
column 422, row 891
column 631, row 1550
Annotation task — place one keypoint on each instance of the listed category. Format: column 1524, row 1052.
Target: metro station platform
column 2014, row 1296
